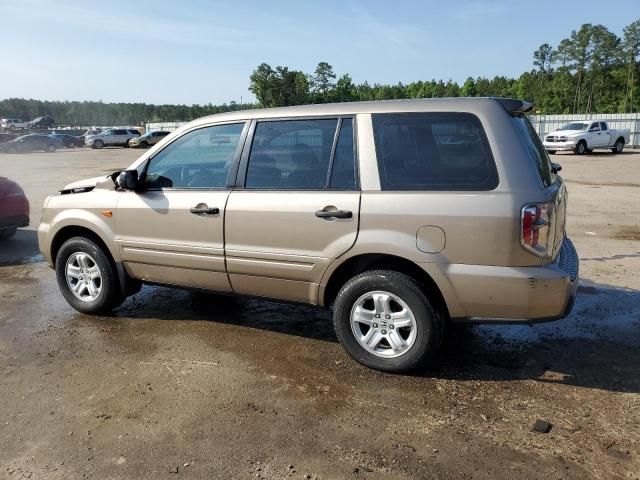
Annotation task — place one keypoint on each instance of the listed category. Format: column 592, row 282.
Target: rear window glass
column 433, row 151
column 291, row 154
column 536, row 150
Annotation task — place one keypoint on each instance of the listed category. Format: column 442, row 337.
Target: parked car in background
column 31, row 143
column 586, row 135
column 112, row 137
column 42, row 122
column 14, row 208
column 68, row 141
column 148, row 139
column 400, row 215
column 6, row 137
column 13, row 124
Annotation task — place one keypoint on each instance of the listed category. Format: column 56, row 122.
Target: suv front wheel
column 86, row 277
column 384, row 321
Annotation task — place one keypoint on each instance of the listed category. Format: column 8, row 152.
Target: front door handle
column 204, row 210
column 334, row 214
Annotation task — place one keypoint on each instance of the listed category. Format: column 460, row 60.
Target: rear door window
column 433, row 151
column 302, row 155
column 343, row 172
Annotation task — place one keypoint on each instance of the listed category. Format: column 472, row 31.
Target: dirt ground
column 178, row 384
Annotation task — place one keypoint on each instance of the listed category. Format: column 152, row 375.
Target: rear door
column 120, row 136
column 295, row 207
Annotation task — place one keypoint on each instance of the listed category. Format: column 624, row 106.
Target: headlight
column 571, row 140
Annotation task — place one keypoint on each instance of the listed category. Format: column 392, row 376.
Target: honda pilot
column 400, row 216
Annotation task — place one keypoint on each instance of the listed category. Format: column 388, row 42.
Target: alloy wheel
column 83, row 276
column 383, row 324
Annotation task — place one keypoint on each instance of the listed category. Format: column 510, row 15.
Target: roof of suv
column 378, row 106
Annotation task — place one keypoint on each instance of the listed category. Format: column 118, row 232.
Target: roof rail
column 514, row 106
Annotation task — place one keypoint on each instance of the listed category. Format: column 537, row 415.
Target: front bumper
column 491, row 294
column 559, row 146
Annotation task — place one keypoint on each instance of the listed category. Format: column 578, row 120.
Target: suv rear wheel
column 86, row 277
column 384, row 321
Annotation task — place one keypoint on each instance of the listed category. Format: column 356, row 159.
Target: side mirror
column 556, row 167
column 128, row 180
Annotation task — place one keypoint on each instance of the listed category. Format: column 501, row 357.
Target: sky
column 199, row 51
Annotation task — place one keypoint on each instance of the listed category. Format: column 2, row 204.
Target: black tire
column 618, row 147
column 144, row 144
column 98, row 144
column 51, row 148
column 551, row 152
column 7, row 233
column 110, row 295
column 581, row 148
column 429, row 326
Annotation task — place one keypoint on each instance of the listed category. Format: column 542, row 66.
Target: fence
column 165, row 126
column 543, row 124
column 549, row 123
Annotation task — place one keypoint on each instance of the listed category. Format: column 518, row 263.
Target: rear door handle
column 204, row 210
column 334, row 214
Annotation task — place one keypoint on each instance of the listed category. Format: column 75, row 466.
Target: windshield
column 575, row 126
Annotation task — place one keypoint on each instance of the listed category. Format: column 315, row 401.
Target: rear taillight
column 535, row 227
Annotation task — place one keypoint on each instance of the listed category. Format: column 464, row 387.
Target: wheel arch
column 70, row 231
column 381, row 261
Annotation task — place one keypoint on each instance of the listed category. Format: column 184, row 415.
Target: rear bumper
column 490, row 294
column 14, row 221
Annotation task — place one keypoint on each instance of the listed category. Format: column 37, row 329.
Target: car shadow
column 20, row 249
column 596, row 346
column 598, row 153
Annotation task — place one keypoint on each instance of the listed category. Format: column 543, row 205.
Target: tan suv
column 400, row 215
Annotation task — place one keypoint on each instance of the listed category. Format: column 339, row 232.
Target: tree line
column 591, row 71
column 99, row 113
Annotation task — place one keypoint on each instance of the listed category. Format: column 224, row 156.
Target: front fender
column 95, row 222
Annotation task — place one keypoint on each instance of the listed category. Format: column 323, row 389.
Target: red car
column 14, row 208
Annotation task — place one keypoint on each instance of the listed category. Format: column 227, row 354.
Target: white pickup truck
column 584, row 136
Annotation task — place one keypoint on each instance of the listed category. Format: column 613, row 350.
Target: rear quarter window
column 433, row 151
column 535, row 149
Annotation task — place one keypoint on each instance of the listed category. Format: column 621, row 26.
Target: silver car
column 111, row 137
column 401, row 216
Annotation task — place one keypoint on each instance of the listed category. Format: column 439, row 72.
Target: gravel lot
column 178, row 384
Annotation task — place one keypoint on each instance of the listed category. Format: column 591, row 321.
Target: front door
column 172, row 231
column 595, row 135
column 296, row 207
